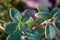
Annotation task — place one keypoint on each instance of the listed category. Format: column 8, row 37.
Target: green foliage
column 40, row 29
column 39, row 21
column 15, row 15
column 32, row 34
column 23, row 27
column 15, row 36
column 43, row 12
column 30, row 22
column 27, row 15
column 57, row 16
column 57, row 25
column 42, row 8
column 8, row 27
column 43, row 15
column 50, row 31
column 5, row 6
column 23, row 24
column 55, row 10
column 19, row 27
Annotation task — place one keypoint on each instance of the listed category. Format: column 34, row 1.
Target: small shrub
column 21, row 25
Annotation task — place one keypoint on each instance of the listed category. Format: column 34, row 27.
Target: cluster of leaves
column 5, row 6
column 21, row 25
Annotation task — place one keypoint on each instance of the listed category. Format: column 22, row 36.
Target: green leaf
column 43, row 12
column 57, row 24
column 39, row 21
column 30, row 22
column 56, row 16
column 43, row 15
column 42, row 8
column 10, row 27
column 32, row 34
column 50, row 32
column 40, row 29
column 23, row 27
column 15, row 15
column 55, row 10
column 27, row 15
column 15, row 36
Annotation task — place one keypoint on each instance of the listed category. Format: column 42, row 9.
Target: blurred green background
column 5, row 6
